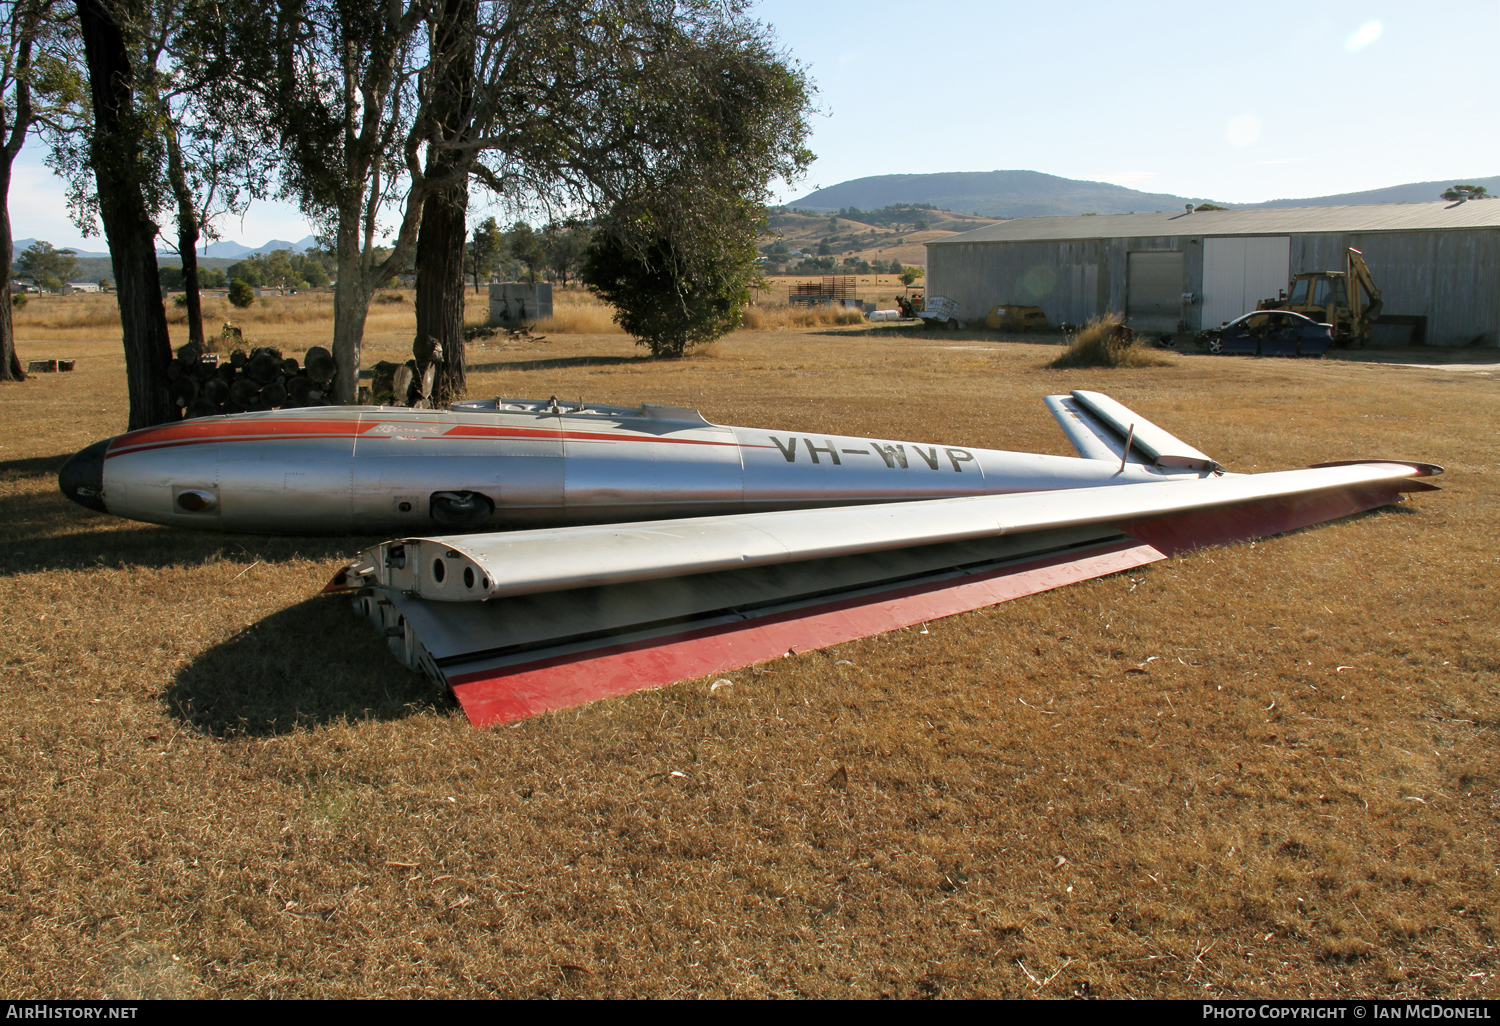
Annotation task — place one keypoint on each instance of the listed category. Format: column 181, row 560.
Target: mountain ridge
column 1004, row 194
column 224, row 249
column 1411, row 192
column 991, row 194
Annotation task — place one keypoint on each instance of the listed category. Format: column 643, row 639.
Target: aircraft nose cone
column 82, row 477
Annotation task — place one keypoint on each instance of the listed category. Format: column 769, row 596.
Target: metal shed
column 1186, row 271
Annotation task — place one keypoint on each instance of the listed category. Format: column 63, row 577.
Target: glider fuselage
column 519, row 463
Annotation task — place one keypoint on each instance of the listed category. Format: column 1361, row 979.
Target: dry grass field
column 1265, row 770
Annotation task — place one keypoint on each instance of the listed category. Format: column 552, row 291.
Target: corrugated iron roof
column 1374, row 217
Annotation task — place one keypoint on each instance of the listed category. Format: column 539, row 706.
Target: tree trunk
column 115, row 154
column 10, row 363
column 187, row 244
column 440, row 286
column 187, row 237
column 440, row 243
column 351, row 305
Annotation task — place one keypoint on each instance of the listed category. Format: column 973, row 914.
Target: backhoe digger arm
column 1359, row 271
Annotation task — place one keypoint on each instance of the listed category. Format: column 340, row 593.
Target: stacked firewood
column 407, row 384
column 262, row 379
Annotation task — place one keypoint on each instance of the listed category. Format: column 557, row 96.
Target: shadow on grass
column 41, row 532
column 34, row 466
column 559, row 363
column 313, row 664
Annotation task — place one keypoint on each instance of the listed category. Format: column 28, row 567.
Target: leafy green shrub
column 663, row 304
column 240, row 293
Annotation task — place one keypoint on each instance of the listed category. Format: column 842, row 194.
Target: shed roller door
column 1153, row 298
column 1239, row 272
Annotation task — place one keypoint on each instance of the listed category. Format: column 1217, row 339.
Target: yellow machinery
column 1011, row 317
column 1347, row 299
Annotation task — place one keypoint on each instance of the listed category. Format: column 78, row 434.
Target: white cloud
column 1363, row 36
column 1243, row 130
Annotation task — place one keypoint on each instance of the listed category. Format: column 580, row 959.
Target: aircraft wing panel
column 577, row 646
column 481, row 567
column 521, row 654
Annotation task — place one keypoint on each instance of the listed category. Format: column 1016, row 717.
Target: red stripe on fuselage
column 176, row 435
column 204, row 432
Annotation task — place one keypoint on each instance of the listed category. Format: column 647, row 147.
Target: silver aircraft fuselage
column 494, row 464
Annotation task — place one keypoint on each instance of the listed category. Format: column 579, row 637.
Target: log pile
column 402, row 384
column 408, row 384
column 262, row 379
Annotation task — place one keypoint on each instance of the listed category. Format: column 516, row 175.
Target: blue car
column 1269, row 333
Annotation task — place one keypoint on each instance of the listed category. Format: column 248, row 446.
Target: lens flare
column 1363, row 36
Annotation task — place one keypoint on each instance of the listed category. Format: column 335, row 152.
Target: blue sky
column 1232, row 102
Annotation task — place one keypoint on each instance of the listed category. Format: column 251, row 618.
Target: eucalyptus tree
column 40, row 87
column 484, row 250
column 565, row 245
column 380, row 107
column 210, row 166
column 50, row 268
column 676, row 256
column 179, row 155
column 579, row 108
column 332, row 85
column 119, row 145
column 453, row 48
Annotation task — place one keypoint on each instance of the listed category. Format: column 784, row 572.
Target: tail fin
column 1099, row 428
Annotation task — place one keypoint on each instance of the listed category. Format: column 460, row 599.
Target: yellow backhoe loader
column 1346, row 299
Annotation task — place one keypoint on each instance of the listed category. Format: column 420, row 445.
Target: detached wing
column 526, row 621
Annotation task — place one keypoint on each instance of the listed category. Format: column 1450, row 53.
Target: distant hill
column 19, row 246
column 94, row 265
column 218, row 254
column 1000, row 194
column 890, row 233
column 228, row 249
column 1415, row 192
column 1004, row 194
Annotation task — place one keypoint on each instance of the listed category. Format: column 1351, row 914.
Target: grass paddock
column 1266, row 770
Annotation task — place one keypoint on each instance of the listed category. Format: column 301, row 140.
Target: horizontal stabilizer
column 1092, row 437
column 1099, row 427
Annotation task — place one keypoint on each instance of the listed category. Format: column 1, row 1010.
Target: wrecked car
column 1269, row 333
